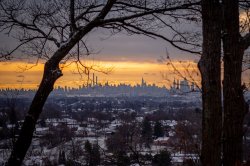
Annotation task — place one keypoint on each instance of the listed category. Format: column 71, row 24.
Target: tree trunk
column 51, row 74
column 234, row 104
column 210, row 68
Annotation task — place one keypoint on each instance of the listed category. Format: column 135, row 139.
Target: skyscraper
column 96, row 80
column 184, row 86
column 143, row 83
column 93, row 80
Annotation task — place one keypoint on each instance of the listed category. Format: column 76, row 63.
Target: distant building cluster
column 96, row 89
column 182, row 86
column 109, row 124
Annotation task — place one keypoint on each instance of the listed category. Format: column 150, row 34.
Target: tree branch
column 172, row 42
column 161, row 10
column 72, row 16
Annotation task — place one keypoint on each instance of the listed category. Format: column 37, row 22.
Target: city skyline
column 14, row 75
column 131, row 57
column 95, row 89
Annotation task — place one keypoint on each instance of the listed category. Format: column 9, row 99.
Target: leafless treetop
column 43, row 26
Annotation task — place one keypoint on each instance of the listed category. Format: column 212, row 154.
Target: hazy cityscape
column 124, row 125
column 124, row 83
column 96, row 89
column 100, row 114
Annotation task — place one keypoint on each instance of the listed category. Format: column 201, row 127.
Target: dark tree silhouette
column 221, row 25
column 158, row 129
column 210, row 68
column 54, row 31
column 235, row 107
column 61, row 158
column 146, row 133
column 93, row 156
column 162, row 159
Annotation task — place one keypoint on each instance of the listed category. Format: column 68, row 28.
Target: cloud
column 20, row 76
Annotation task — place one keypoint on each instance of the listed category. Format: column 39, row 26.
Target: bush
column 162, row 159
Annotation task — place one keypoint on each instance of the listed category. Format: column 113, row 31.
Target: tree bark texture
column 51, row 74
column 210, row 68
column 235, row 106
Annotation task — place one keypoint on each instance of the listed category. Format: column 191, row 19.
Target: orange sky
column 13, row 75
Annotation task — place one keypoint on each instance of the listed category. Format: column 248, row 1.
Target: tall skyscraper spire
column 93, row 79
column 143, row 83
column 174, row 84
column 96, row 80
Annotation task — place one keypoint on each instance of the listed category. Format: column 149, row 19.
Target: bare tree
column 221, row 24
column 209, row 66
column 189, row 71
column 51, row 30
column 235, row 107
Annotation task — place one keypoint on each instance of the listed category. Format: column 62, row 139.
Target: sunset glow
column 24, row 75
